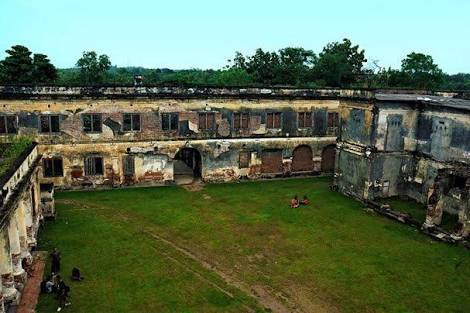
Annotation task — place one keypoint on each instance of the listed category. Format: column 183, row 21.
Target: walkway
column 31, row 291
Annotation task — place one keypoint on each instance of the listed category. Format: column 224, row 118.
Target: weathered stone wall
column 407, row 145
column 153, row 160
column 153, row 148
column 20, row 218
column 151, row 110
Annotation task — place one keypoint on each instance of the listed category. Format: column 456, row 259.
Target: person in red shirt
column 294, row 203
column 305, row 201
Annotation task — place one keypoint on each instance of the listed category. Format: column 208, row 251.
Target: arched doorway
column 328, row 156
column 302, row 159
column 187, row 162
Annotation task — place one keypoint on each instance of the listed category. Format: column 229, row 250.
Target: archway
column 328, row 156
column 187, row 162
column 302, row 159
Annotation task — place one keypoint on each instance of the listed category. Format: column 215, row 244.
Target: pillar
column 8, row 290
column 20, row 217
column 29, row 223
column 15, row 251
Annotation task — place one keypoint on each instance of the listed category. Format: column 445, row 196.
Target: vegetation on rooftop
column 328, row 256
column 339, row 64
column 11, row 151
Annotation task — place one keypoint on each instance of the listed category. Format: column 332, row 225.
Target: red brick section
column 29, row 298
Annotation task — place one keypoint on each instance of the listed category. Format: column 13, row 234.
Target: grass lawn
column 239, row 248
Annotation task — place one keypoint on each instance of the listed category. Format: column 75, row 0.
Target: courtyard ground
column 240, row 248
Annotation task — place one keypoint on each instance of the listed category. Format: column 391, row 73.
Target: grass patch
column 11, row 151
column 416, row 210
column 330, row 254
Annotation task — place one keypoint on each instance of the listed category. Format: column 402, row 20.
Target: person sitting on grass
column 47, row 286
column 305, row 201
column 76, row 274
column 294, row 203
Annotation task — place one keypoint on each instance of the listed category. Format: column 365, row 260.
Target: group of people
column 295, row 202
column 55, row 284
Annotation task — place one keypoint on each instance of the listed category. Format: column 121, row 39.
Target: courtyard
column 239, row 247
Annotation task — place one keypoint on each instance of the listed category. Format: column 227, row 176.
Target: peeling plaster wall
column 153, row 149
column 352, row 173
column 153, row 160
column 151, row 110
column 403, row 148
column 356, row 122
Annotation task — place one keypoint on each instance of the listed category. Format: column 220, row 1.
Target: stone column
column 20, row 218
column 29, row 222
column 9, row 292
column 15, row 251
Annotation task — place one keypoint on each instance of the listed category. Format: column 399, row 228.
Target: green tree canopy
column 17, row 66
column 421, row 71
column 295, row 65
column 43, row 71
column 93, row 68
column 339, row 64
column 264, row 66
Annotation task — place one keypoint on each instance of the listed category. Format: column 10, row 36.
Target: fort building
column 376, row 144
column 408, row 145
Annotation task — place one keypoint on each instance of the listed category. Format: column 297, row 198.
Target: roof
column 117, row 92
column 455, row 103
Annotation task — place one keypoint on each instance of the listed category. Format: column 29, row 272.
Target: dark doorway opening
column 302, row 159
column 33, row 202
column 271, row 162
column 328, row 156
column 188, row 162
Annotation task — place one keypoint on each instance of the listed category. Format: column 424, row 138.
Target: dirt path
column 29, row 298
column 275, row 301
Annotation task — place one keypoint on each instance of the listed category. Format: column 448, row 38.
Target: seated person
column 76, row 274
column 27, row 267
column 294, row 203
column 305, row 201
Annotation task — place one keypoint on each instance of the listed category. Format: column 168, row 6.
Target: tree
column 17, row 66
column 43, row 71
column 262, row 66
column 295, row 65
column 239, row 61
column 421, row 71
column 339, row 64
column 93, row 67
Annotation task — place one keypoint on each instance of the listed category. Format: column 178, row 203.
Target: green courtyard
column 239, row 247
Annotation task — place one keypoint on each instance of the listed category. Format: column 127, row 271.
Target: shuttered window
column 129, row 165
column 273, row 120
column 244, row 159
column 241, row 120
column 91, row 123
column 207, row 121
column 304, row 119
column 8, row 124
column 52, row 167
column 131, row 122
column 49, row 124
column 94, row 166
column 170, row 121
column 333, row 119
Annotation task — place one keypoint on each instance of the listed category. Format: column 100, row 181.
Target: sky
column 204, row 34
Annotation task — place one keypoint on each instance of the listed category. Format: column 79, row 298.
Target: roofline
column 182, row 92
